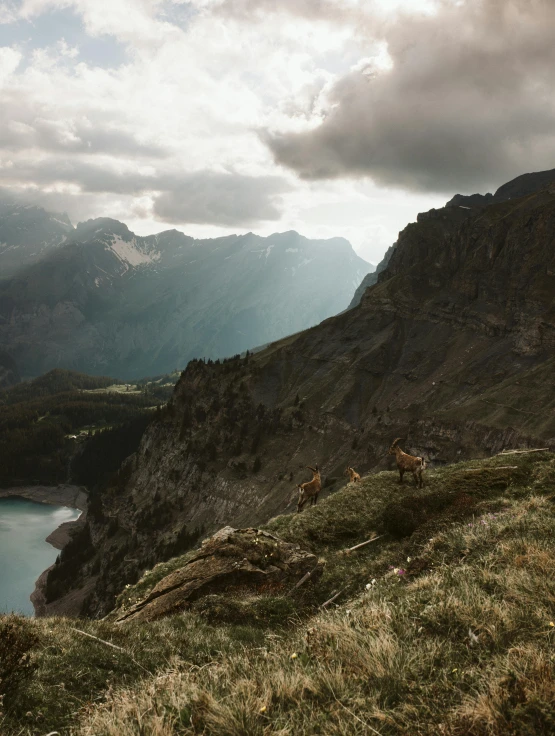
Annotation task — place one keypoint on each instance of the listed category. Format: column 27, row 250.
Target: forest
column 46, row 424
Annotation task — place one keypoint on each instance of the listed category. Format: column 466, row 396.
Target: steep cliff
column 371, row 278
column 453, row 350
column 522, row 186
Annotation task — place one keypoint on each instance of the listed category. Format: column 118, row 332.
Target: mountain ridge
column 109, row 301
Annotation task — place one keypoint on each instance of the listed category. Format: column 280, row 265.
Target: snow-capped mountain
column 108, row 301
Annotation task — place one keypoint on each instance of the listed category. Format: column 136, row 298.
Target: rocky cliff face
column 519, row 187
column 110, row 302
column 453, row 350
column 371, row 278
column 522, row 186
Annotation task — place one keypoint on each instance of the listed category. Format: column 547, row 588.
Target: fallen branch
column 331, row 600
column 363, row 544
column 114, row 646
column 108, row 643
column 501, row 467
column 367, row 725
column 303, row 580
column 523, row 452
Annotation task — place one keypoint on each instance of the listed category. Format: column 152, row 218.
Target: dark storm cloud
column 221, row 199
column 201, row 197
column 468, row 103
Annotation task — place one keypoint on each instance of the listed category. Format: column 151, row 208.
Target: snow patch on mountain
column 128, row 252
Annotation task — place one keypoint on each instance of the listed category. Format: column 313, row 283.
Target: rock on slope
column 232, row 560
column 453, row 350
column 110, row 302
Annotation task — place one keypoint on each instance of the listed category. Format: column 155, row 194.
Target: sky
column 329, row 117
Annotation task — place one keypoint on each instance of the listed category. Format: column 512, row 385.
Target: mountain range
column 453, row 350
column 28, row 232
column 102, row 300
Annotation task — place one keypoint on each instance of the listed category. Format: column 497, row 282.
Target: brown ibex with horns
column 354, row 477
column 309, row 490
column 408, row 463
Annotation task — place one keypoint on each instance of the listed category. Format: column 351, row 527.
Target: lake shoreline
column 74, row 497
column 70, row 496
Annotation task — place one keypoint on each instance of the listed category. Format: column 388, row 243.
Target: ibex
column 408, row 463
column 309, row 490
column 354, row 477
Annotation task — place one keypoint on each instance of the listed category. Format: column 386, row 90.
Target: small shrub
column 402, row 518
column 17, row 640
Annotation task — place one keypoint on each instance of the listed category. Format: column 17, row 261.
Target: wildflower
column 370, row 584
column 551, row 623
column 294, row 655
column 409, row 559
column 263, row 709
column 399, row 571
column 455, row 670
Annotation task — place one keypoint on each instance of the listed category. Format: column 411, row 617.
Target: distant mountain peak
column 27, row 232
column 102, row 226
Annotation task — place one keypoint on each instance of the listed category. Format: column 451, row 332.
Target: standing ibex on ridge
column 414, row 465
column 310, row 489
column 354, row 477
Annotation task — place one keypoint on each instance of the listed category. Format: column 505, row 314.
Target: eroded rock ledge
column 232, row 560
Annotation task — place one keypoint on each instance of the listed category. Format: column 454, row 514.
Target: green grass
column 448, row 631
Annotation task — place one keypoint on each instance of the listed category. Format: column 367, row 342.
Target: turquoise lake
column 24, row 553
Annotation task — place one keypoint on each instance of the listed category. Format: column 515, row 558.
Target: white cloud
column 132, row 21
column 9, row 61
column 171, row 136
column 8, row 12
column 465, row 102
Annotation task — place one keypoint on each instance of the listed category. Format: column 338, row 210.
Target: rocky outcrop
column 453, row 350
column 522, row 186
column 245, row 560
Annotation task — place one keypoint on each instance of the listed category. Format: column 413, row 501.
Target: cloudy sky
column 330, row 117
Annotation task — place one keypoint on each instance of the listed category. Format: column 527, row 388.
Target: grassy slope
column 461, row 643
